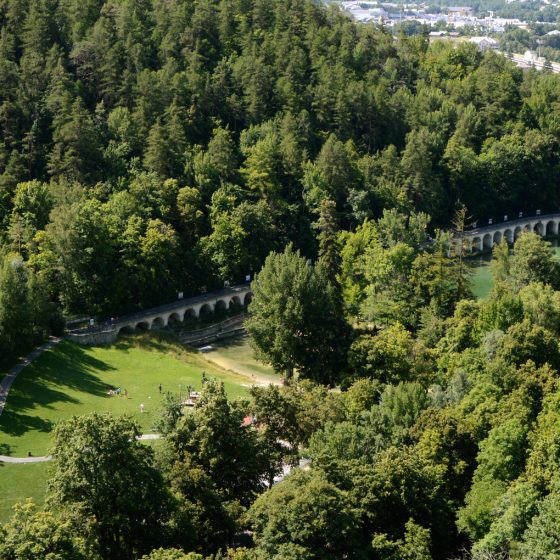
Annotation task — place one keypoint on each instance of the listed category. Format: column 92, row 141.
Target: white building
column 484, row 43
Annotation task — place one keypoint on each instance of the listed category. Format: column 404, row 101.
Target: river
column 481, row 280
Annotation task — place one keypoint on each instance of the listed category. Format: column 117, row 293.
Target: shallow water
column 481, row 280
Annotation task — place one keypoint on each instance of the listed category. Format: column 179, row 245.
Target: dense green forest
column 155, row 146
column 150, row 147
column 441, row 442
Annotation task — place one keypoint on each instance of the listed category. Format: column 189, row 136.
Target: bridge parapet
column 159, row 317
column 484, row 238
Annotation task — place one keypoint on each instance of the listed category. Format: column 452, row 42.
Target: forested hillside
column 150, row 146
column 155, row 146
column 441, row 442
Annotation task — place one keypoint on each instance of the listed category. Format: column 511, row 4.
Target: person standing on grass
column 160, row 388
column 142, row 408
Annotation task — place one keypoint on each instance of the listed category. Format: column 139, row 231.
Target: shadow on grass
column 16, row 424
column 231, row 342
column 5, row 449
column 46, row 382
column 163, row 341
column 158, row 341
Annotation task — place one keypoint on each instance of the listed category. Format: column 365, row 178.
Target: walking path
column 10, row 377
column 6, row 384
column 6, row 459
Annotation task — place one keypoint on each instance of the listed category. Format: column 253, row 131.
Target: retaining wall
column 94, row 338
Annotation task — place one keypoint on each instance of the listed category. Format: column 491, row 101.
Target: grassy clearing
column 18, row 482
column 481, row 280
column 71, row 380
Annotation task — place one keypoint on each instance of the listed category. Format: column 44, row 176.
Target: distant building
column 484, row 43
column 530, row 57
column 459, row 12
column 364, row 12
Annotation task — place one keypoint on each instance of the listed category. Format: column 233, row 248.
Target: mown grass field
column 73, row 380
column 17, row 482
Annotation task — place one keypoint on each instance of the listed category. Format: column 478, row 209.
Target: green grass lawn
column 71, row 380
column 481, row 280
column 18, row 482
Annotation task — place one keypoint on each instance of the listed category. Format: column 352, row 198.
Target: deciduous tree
column 107, row 477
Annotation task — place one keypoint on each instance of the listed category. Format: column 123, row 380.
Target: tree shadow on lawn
column 158, row 341
column 5, row 449
column 235, row 342
column 14, row 424
column 46, row 382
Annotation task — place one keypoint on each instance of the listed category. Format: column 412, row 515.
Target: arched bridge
column 484, row 238
column 234, row 297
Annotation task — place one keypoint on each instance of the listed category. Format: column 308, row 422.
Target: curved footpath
column 10, row 377
column 6, row 384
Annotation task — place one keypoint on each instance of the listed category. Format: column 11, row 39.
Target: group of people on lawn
column 117, row 392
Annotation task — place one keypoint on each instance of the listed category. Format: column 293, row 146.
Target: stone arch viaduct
column 483, row 238
column 235, row 297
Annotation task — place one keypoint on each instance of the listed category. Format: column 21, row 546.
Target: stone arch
column 497, row 238
column 517, row 232
column 174, row 317
column 539, row 228
column 508, row 234
column 476, row 244
column 234, row 302
column 143, row 326
column 125, row 329
column 205, row 310
column 158, row 323
column 551, row 228
column 220, row 306
column 190, row 314
column 247, row 298
column 487, row 241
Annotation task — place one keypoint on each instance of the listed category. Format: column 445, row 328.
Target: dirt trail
column 253, row 378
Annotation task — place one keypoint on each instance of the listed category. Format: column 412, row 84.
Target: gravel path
column 6, row 459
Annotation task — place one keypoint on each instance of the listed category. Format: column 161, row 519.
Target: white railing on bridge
column 484, row 237
column 154, row 317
